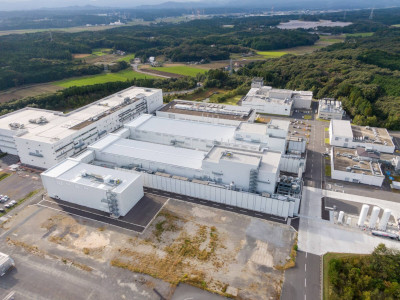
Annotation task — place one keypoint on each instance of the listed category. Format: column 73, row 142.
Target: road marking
column 215, row 204
column 305, row 282
column 259, row 215
column 306, row 254
column 305, row 267
column 242, row 210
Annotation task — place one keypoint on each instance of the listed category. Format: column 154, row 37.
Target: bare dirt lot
column 211, row 249
column 29, row 90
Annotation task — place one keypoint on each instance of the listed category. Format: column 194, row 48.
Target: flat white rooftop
column 71, row 171
column 60, row 125
column 170, row 155
column 267, row 161
column 183, row 128
column 342, row 128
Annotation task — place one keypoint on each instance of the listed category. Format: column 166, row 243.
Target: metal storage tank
column 385, row 219
column 374, row 217
column 348, row 222
column 340, row 217
column 363, row 215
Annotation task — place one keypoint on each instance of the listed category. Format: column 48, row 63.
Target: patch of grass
column 327, row 141
column 4, row 175
column 101, row 51
column 181, row 70
column 307, row 117
column 323, row 120
column 127, row 58
column 362, row 34
column 3, row 154
column 291, row 262
column 328, row 170
column 169, row 223
column 271, row 54
column 102, row 78
column 326, row 128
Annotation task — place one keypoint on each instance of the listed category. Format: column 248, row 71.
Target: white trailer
column 6, row 262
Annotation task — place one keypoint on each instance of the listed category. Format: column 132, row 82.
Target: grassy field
column 181, row 70
column 271, row 54
column 363, row 34
column 327, row 141
column 101, row 78
column 101, row 51
column 127, row 58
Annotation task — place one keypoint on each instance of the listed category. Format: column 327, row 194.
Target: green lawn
column 326, row 128
column 127, row 58
column 328, row 171
column 181, row 70
column 102, row 78
column 271, row 54
column 362, row 34
column 101, row 51
column 327, row 141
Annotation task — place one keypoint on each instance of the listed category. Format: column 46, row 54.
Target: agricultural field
column 28, row 91
column 181, row 70
column 101, row 51
column 102, row 78
column 271, row 54
column 363, row 34
column 127, row 58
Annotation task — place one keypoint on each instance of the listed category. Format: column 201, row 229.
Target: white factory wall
column 221, row 121
column 282, row 208
column 297, row 145
column 292, row 164
column 130, row 196
column 299, row 103
column 92, row 197
column 276, row 144
column 7, row 143
column 269, row 107
column 357, row 177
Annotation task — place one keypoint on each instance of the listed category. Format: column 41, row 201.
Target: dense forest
column 362, row 72
column 41, row 57
column 75, row 97
column 375, row 276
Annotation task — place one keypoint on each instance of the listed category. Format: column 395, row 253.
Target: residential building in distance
column 343, row 134
column 207, row 112
column 347, row 165
column 43, row 138
column 330, row 109
column 269, row 100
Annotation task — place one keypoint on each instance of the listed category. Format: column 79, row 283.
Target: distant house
column 152, row 59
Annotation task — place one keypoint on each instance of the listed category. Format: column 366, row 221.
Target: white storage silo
column 363, row 215
column 340, row 217
column 348, row 222
column 374, row 217
column 385, row 219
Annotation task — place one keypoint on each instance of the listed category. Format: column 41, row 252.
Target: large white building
column 266, row 99
column 347, row 165
column 92, row 186
column 330, row 109
column 255, row 171
column 203, row 136
column 42, row 138
column 207, row 112
column 343, row 134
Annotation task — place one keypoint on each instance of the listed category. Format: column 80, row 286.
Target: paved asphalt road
column 303, row 281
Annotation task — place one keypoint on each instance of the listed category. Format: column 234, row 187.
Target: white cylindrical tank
column 374, row 217
column 340, row 217
column 348, row 222
column 385, row 219
column 363, row 215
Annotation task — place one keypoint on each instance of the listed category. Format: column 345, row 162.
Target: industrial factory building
column 88, row 185
column 330, row 109
column 347, row 165
column 207, row 112
column 266, row 99
column 43, row 138
column 343, row 134
column 203, row 136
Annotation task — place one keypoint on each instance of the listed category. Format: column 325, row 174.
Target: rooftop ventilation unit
column 40, row 120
